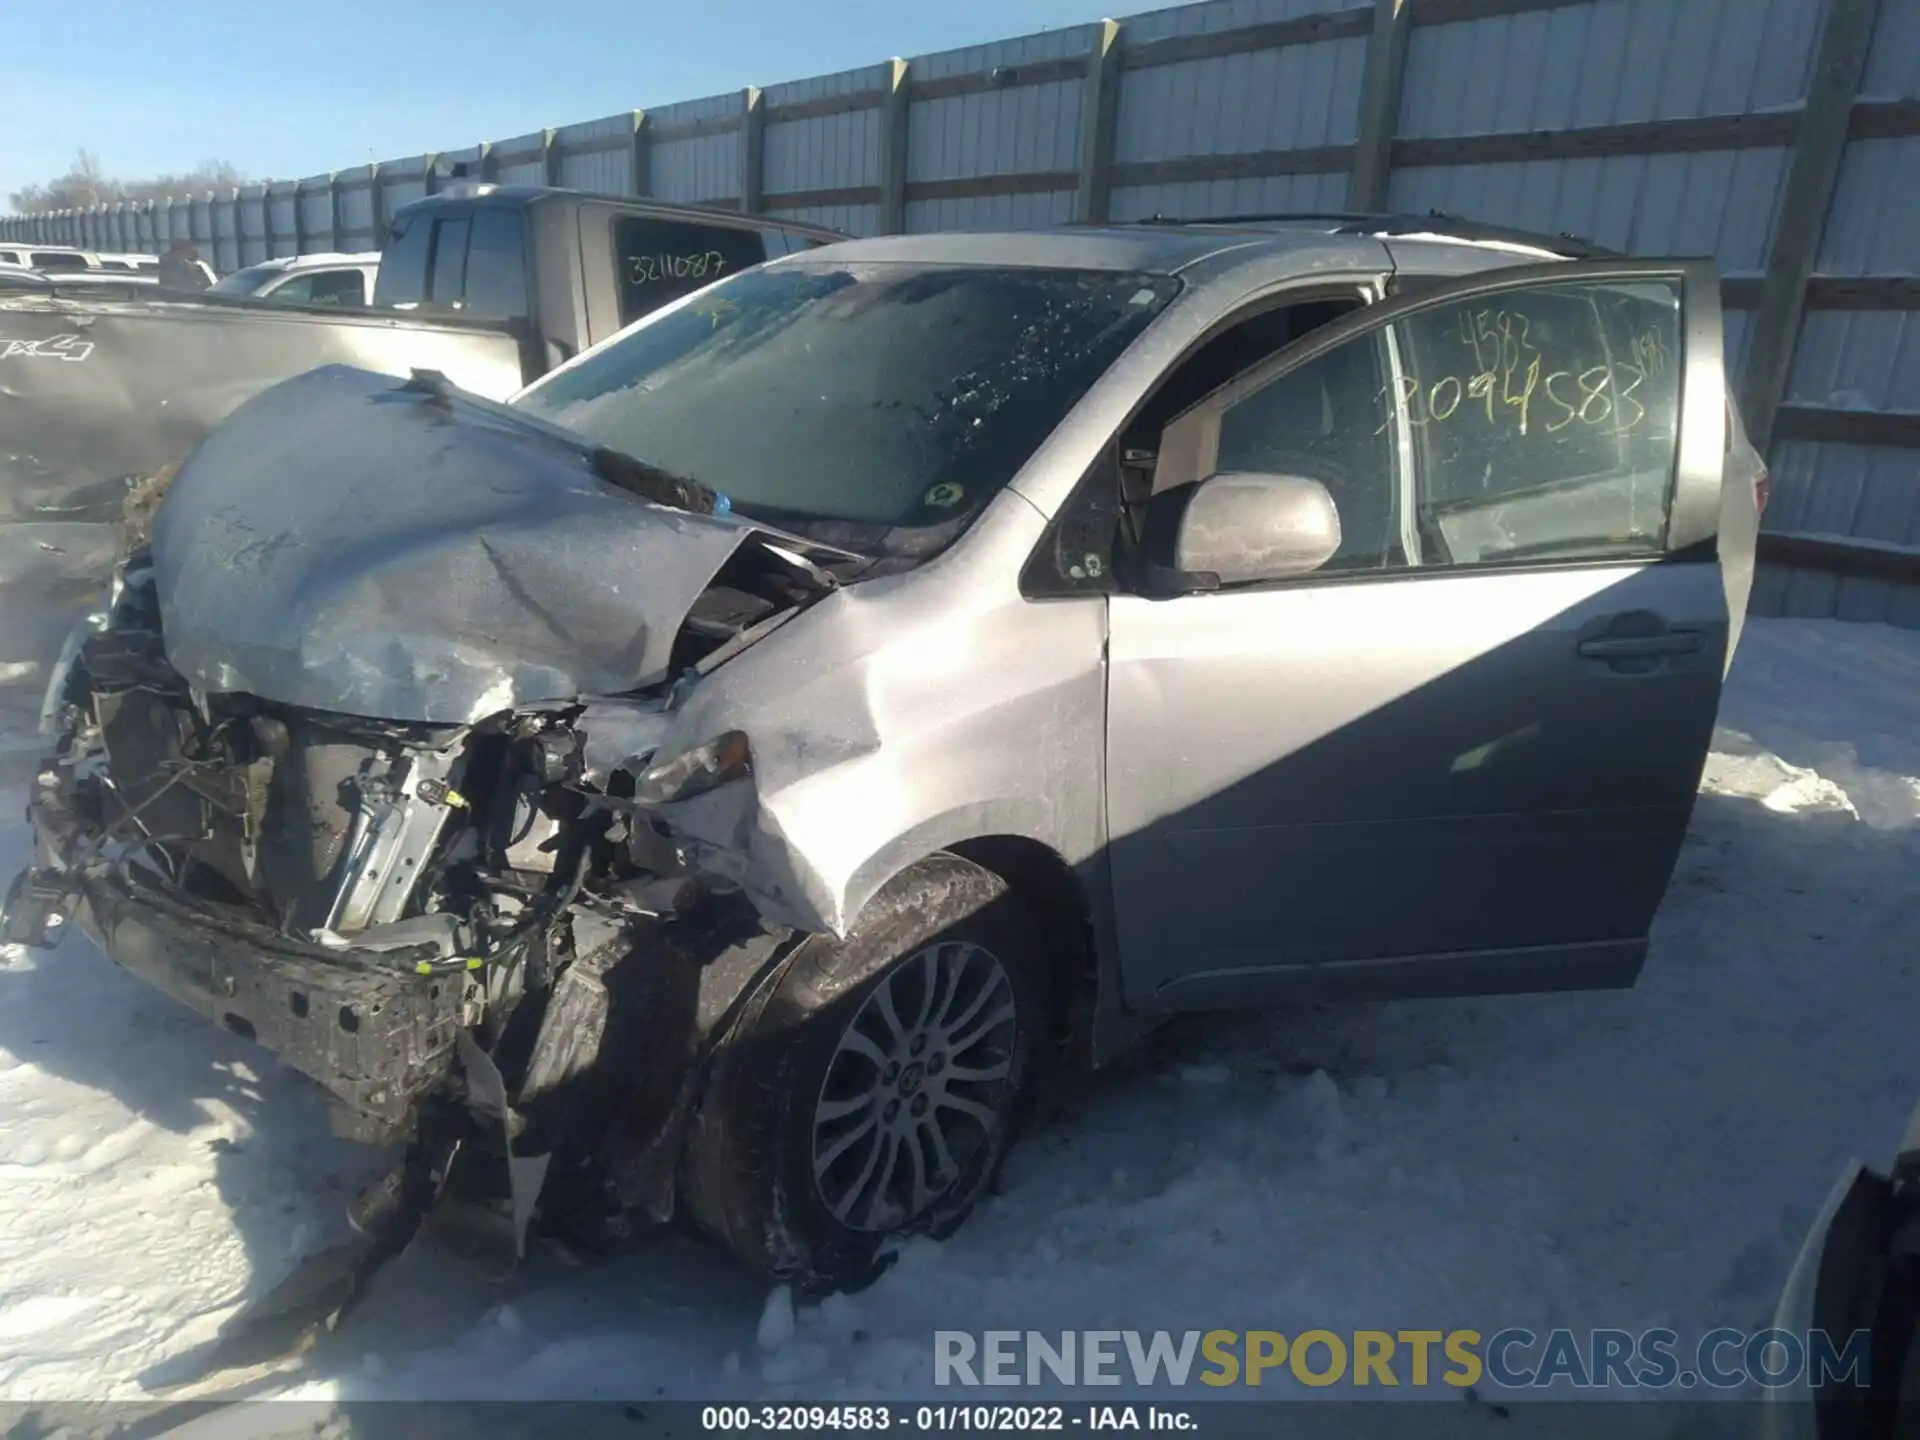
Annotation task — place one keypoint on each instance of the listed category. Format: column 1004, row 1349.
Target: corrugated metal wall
column 825, row 155
column 1860, row 360
column 597, row 154
column 1240, row 107
column 1650, row 126
column 1625, row 63
column 694, row 153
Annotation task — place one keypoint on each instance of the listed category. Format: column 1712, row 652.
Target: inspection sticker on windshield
column 943, row 496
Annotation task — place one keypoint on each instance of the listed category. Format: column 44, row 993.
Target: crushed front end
column 351, row 894
column 467, row 919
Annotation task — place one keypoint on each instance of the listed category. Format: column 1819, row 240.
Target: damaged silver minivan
column 718, row 779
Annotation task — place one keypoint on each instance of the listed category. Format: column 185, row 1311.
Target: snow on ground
column 1648, row 1157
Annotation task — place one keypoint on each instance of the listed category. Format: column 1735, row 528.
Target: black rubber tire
column 747, row 1178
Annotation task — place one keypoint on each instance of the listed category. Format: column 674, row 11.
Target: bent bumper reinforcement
column 375, row 1036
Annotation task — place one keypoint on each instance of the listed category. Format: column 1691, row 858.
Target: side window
column 661, row 260
column 340, row 287
column 449, row 284
column 58, row 260
column 1546, row 422
column 1539, row 424
column 1323, row 422
column 403, row 263
column 324, row 287
column 1088, row 544
column 496, row 266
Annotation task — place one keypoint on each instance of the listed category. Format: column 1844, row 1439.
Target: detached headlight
column 694, row 772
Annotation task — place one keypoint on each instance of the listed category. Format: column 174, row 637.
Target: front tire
column 873, row 1090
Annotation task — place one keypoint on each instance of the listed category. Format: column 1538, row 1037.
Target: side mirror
column 1242, row 526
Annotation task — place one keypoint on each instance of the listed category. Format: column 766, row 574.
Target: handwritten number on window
column 1511, row 375
column 651, row 269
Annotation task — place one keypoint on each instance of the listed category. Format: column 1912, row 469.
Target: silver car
column 719, row 778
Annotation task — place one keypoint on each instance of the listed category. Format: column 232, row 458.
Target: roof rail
column 1434, row 222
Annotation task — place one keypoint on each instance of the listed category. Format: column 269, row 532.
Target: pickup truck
column 324, row 279
column 493, row 286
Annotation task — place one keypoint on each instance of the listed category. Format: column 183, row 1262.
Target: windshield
column 247, row 281
column 886, row 397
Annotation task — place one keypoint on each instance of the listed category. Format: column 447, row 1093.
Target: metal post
column 895, row 114
column 1379, row 107
column 299, row 216
column 640, row 171
column 1100, row 95
column 1819, row 147
column 753, row 123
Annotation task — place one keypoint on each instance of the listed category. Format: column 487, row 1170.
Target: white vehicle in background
column 325, row 279
column 50, row 259
column 67, row 263
column 22, row 277
column 138, row 264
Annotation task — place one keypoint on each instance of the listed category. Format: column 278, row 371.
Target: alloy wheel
column 915, row 1086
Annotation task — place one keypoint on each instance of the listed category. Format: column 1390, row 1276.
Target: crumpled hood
column 345, row 543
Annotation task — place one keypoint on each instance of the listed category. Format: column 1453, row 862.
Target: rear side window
column 57, row 260
column 496, row 267
column 324, row 287
column 403, row 263
column 786, row 242
column 661, row 260
column 449, row 263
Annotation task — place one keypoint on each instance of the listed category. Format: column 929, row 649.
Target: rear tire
column 873, row 1088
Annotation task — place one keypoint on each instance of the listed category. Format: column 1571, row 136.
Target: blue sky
column 285, row 90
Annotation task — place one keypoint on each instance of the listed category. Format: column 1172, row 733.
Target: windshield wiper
column 650, row 482
column 616, row 467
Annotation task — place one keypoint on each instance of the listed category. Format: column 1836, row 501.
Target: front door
column 1461, row 755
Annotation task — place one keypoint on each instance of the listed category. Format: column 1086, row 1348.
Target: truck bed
column 93, row 390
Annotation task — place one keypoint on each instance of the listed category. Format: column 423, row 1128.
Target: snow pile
column 150, row 1170
column 1648, row 1157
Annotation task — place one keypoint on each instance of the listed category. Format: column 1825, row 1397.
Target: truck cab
column 330, row 278
column 586, row 265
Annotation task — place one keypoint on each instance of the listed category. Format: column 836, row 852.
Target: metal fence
column 1780, row 136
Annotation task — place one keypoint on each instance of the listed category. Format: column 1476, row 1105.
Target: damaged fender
column 896, row 718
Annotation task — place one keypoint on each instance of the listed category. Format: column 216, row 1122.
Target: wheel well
column 1048, row 886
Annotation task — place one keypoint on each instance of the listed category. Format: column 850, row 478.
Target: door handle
column 1635, row 647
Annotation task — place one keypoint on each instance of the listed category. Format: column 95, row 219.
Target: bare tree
column 86, row 183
